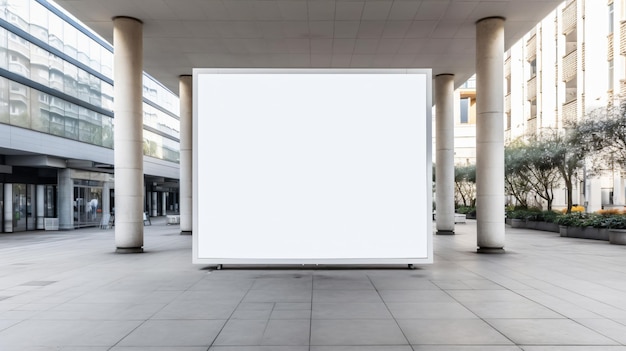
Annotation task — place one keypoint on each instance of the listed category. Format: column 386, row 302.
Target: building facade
column 56, row 124
column 571, row 64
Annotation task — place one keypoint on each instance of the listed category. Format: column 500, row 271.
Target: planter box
column 617, row 236
column 585, row 233
column 546, row 226
column 518, row 223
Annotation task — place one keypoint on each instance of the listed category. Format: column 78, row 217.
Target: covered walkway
column 69, row 291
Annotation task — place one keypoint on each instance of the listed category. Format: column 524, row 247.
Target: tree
column 514, row 183
column 567, row 153
column 465, row 184
column 532, row 166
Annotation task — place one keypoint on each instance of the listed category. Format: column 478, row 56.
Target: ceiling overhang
column 180, row 35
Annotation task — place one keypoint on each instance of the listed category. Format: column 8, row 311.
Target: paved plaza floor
column 68, row 290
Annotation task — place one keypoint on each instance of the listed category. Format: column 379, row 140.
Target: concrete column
column 444, row 172
column 154, row 207
column 106, row 198
column 594, row 194
column 490, row 134
column 164, row 203
column 8, row 208
column 128, row 147
column 186, row 144
column 65, row 199
column 39, row 210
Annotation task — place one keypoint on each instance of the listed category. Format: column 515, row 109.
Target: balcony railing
column 569, row 112
column 569, row 18
column 622, row 88
column 570, row 62
column 609, row 46
column 531, row 89
column 531, row 48
column 622, row 38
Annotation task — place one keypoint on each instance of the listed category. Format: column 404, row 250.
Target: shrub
column 576, row 208
column 464, row 209
column 610, row 212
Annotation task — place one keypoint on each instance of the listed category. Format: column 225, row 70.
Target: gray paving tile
column 264, row 332
column 156, row 348
column 361, row 348
column 429, row 310
column 548, row 332
column 465, row 348
column 174, row 333
column 259, row 348
column 415, row 296
column 574, row 348
column 342, row 310
column 351, row 332
column 36, row 333
column 278, row 295
column 346, row 296
column 196, row 310
column 451, row 331
column 611, row 329
column 511, row 309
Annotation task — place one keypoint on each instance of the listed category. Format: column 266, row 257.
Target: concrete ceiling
column 183, row 34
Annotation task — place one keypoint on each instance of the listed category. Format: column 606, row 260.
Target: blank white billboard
column 312, row 166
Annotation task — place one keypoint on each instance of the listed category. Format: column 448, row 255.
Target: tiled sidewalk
column 69, row 291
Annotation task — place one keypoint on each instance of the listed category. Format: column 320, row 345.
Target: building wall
column 56, row 114
column 573, row 47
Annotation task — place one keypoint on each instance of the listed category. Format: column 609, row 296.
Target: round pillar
column 444, row 172
column 128, row 147
column 186, row 144
column 490, row 135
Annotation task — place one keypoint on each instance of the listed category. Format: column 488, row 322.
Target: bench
column 173, row 219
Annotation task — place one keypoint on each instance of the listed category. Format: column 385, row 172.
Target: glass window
column 69, row 40
column 56, row 72
column 19, row 55
column 39, row 65
column 55, row 32
column 90, row 126
column 70, row 82
column 160, row 121
column 465, row 102
column 38, row 21
column 159, row 147
column 4, row 100
column 107, row 63
column 19, row 105
column 57, row 116
column 83, row 85
column 4, row 59
column 71, row 121
column 107, row 96
column 40, row 111
column 17, row 13
column 95, row 95
column 94, row 55
column 83, row 48
column 107, row 132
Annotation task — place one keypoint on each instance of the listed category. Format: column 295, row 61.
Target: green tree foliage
column 532, row 166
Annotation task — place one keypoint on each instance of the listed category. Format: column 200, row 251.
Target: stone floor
column 69, row 291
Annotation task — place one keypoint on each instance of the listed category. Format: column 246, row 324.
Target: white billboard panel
column 312, row 166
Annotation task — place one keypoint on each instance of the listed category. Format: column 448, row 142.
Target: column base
column 445, row 232
column 127, row 250
column 490, row 250
column 185, row 232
